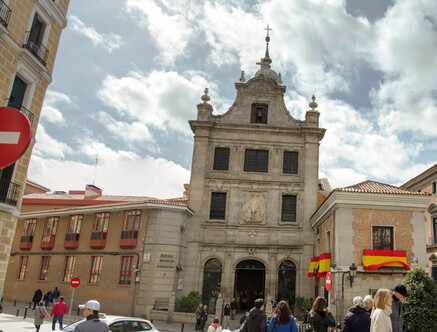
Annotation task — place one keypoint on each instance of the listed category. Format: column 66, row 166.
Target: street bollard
column 25, row 313
column 151, row 321
column 18, row 311
column 78, row 311
column 15, row 303
column 1, row 301
column 182, row 327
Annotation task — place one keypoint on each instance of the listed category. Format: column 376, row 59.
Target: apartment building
column 30, row 31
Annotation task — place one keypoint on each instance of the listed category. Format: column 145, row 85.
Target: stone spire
column 265, row 69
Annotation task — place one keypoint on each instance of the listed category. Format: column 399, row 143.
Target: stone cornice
column 338, row 199
column 421, row 179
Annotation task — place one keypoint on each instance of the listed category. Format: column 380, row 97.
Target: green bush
column 420, row 308
column 302, row 304
column 188, row 303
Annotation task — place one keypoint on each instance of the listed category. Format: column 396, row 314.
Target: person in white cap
column 92, row 323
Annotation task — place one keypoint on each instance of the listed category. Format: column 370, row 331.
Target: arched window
column 287, row 282
column 212, row 277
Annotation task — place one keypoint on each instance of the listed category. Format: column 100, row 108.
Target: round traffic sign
column 328, row 281
column 75, row 282
column 15, row 135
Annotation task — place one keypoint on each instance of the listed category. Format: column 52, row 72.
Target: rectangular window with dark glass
column 256, row 161
column 382, row 237
column 434, row 273
column 288, row 208
column 290, row 162
column 218, row 206
column 221, row 159
column 125, row 270
column 44, row 268
column 434, row 224
column 259, row 113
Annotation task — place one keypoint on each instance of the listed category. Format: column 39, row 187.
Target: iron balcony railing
column 5, row 14
column 9, row 192
column 22, row 109
column 36, row 48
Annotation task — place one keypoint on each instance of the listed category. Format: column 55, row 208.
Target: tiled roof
column 65, row 196
column 378, row 188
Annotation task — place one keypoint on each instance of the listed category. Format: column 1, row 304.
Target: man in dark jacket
column 257, row 320
column 399, row 295
column 36, row 297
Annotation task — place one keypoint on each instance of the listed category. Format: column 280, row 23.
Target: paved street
column 9, row 322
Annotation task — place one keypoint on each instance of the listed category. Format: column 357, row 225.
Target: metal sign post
column 75, row 282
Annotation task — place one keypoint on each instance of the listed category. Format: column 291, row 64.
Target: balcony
column 26, row 242
column 128, row 239
column 71, row 241
column 48, row 242
column 5, row 14
column 98, row 240
column 22, row 109
column 36, row 48
column 9, row 192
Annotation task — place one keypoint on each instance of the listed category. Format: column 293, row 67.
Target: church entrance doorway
column 249, row 284
column 287, row 283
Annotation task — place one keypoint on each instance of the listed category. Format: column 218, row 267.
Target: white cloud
column 118, row 173
column 164, row 100
column 49, row 111
column 109, row 41
column 47, row 146
column 134, row 132
column 169, row 25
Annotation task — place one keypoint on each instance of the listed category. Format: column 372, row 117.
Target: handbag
column 42, row 316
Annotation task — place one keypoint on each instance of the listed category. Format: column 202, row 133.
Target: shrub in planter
column 420, row 308
column 188, row 303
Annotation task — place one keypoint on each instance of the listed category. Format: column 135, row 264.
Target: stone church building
column 253, row 189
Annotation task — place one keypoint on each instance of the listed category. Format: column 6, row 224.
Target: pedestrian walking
column 320, row 316
column 215, row 326
column 92, row 323
column 257, row 319
column 399, row 295
column 358, row 319
column 47, row 298
column 203, row 316
column 58, row 312
column 198, row 318
column 226, row 316
column 40, row 314
column 233, row 305
column 37, row 296
column 244, row 318
column 56, row 293
column 380, row 318
column 282, row 320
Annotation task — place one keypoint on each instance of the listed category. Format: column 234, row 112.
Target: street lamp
column 352, row 273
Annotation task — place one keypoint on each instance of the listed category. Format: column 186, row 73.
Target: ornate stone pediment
column 254, row 207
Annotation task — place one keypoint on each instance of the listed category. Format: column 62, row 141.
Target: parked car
column 120, row 324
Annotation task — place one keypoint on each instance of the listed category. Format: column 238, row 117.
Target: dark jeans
column 198, row 322
column 57, row 318
column 202, row 324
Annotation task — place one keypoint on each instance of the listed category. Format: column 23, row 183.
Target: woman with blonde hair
column 380, row 318
column 320, row 316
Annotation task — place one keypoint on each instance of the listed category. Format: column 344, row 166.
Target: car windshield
column 72, row 326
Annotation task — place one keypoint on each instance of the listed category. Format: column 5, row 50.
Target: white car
column 120, row 324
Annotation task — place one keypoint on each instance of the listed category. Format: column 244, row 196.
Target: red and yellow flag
column 324, row 264
column 374, row 259
column 313, row 265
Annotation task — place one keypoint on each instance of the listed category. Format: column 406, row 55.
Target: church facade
column 253, row 189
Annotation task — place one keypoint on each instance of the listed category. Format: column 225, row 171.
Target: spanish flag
column 313, row 265
column 374, row 259
column 324, row 264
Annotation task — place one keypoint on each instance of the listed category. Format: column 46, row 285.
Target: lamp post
column 134, row 274
column 351, row 274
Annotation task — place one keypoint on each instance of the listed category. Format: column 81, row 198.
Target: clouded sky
column 129, row 74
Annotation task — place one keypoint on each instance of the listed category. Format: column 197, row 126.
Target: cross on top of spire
column 268, row 29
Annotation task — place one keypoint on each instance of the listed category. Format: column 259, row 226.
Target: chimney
column 92, row 192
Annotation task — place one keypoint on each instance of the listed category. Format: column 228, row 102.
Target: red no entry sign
column 15, row 135
column 75, row 282
column 328, row 281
